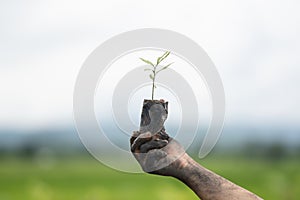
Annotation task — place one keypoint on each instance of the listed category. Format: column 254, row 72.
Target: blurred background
column 255, row 46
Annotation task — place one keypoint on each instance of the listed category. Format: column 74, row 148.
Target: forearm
column 208, row 185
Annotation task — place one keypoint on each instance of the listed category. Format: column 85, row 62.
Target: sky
column 255, row 46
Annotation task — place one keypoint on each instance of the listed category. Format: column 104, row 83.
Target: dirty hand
column 158, row 154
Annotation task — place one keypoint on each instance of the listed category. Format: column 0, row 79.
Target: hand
column 158, row 154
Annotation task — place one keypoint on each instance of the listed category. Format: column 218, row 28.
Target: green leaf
column 165, row 67
column 160, row 59
column 147, row 61
column 147, row 69
column 151, row 76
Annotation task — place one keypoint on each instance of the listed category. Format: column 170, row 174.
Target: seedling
column 156, row 68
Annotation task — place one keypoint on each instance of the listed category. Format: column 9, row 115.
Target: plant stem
column 153, row 82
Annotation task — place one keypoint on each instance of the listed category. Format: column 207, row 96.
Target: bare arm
column 167, row 158
column 208, row 185
column 159, row 154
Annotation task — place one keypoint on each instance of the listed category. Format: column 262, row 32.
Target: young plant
column 156, row 68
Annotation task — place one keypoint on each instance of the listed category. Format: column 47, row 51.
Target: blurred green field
column 86, row 179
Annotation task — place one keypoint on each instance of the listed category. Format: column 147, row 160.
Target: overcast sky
column 254, row 44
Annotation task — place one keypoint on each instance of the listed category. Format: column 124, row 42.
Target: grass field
column 86, row 179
